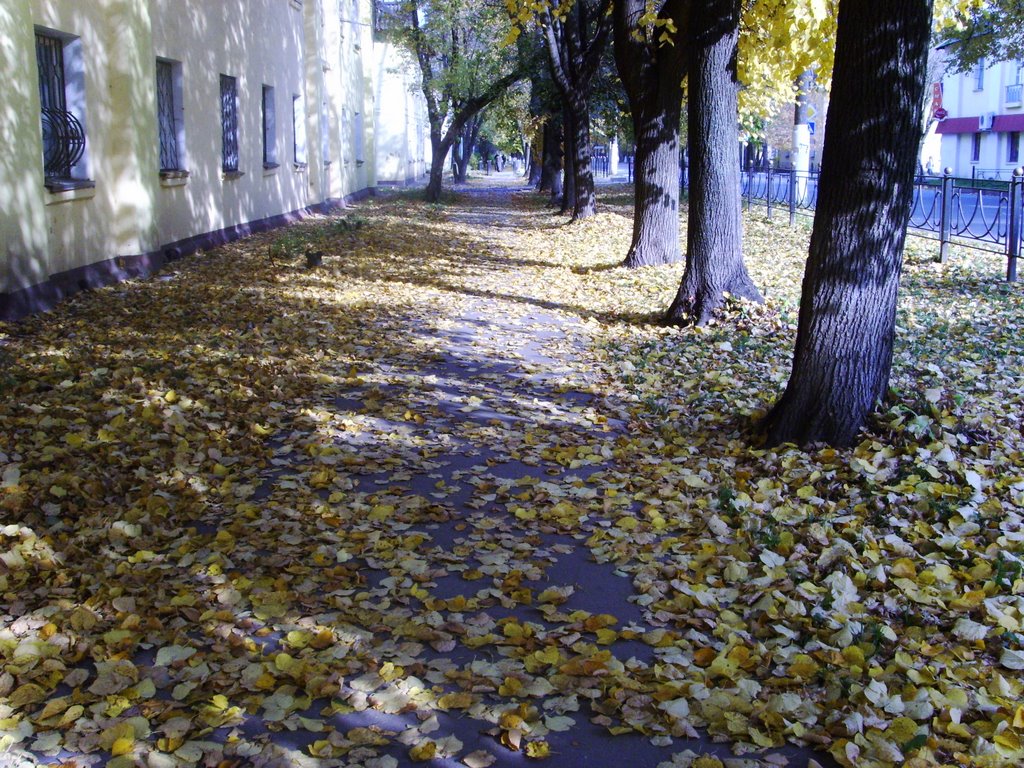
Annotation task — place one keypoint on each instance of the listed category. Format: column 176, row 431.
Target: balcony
column 1014, row 94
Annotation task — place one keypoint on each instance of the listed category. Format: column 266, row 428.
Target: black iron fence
column 986, row 214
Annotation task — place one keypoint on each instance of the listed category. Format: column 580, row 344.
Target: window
column 62, row 109
column 1013, row 147
column 979, row 75
column 170, row 116
column 229, row 123
column 299, row 130
column 269, row 128
column 976, row 148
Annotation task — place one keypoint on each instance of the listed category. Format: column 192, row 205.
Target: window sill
column 300, row 167
column 174, row 178
column 65, row 185
column 270, row 169
column 68, row 191
column 231, row 175
column 296, row 4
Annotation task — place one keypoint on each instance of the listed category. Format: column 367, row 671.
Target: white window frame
column 979, row 75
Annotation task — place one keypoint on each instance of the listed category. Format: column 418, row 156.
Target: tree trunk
column 535, row 174
column 569, row 162
column 848, row 305
column 652, row 74
column 439, row 153
column 467, row 144
column 551, row 151
column 714, row 260
column 585, row 200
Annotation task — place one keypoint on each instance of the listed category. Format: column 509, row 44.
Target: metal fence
column 985, row 214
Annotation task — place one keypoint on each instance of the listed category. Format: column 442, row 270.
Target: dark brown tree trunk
column 848, row 306
column 569, row 161
column 652, row 73
column 439, row 148
column 551, row 165
column 585, row 200
column 536, row 161
column 714, row 253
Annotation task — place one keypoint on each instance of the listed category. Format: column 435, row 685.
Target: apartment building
column 138, row 131
column 982, row 119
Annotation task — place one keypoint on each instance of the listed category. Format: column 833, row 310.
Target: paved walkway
column 450, row 560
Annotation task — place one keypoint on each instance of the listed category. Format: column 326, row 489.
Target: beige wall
column 321, row 50
column 23, row 237
column 400, row 118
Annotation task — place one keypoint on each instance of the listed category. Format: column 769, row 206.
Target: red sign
column 936, row 98
column 940, row 114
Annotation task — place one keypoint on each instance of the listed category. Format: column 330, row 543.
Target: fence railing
column 983, row 214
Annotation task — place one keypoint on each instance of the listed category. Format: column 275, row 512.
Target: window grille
column 269, row 127
column 976, row 148
column 979, row 75
column 63, row 135
column 169, row 157
column 1013, row 150
column 229, row 122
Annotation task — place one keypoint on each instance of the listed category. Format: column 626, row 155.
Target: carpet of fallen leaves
column 244, row 503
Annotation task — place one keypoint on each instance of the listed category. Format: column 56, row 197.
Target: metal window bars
column 229, row 123
column 63, row 134
column 165, row 109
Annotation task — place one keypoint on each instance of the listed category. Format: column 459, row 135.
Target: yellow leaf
column 425, row 750
column 122, row 746
column 537, row 750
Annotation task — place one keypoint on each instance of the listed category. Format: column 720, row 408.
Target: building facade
column 140, row 130
column 982, row 113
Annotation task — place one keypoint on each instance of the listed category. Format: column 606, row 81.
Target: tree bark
column 848, row 304
column 439, row 150
column 551, row 165
column 585, row 198
column 652, row 73
column 714, row 254
column 568, row 161
column 467, row 144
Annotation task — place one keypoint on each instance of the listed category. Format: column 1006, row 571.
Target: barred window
column 299, row 130
column 269, row 121
column 229, row 122
column 63, row 132
column 169, row 115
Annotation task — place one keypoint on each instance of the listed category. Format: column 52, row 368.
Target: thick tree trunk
column 848, row 306
column 652, row 75
column 585, row 201
column 536, row 161
column 439, row 154
column 569, row 162
column 551, row 165
column 714, row 254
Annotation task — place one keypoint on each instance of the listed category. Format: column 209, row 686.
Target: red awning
column 1001, row 124
column 1007, row 123
column 958, row 125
